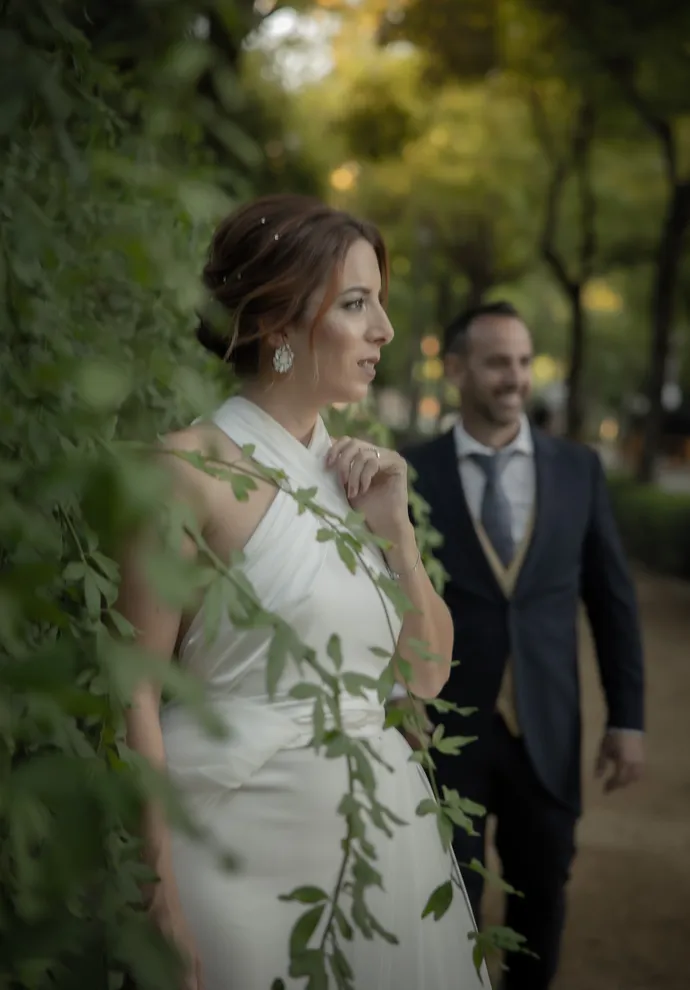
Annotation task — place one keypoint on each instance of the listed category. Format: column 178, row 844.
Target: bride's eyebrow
column 356, row 288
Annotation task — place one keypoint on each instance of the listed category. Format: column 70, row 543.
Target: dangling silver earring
column 283, row 358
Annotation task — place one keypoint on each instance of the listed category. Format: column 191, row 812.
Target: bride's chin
column 352, row 392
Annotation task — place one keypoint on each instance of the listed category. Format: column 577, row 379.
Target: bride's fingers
column 354, row 473
column 337, row 448
column 369, row 472
column 346, row 460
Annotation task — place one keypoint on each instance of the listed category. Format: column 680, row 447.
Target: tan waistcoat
column 507, row 579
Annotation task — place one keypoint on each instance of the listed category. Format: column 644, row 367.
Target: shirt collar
column 466, row 445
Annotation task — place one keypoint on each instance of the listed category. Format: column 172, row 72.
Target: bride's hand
column 171, row 922
column 375, row 481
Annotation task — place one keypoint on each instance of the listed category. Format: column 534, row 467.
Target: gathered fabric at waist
column 256, row 731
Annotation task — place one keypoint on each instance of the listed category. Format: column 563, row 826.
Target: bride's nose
column 381, row 331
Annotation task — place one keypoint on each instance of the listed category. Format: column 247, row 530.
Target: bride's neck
column 284, row 407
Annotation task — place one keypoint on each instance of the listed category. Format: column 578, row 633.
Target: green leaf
column 304, row 928
column 325, row 535
column 319, row 723
column 338, row 745
column 386, row 680
column 359, row 684
column 108, row 567
column 276, row 661
column 428, row 807
column 445, row 830
column 451, row 798
column 347, row 555
column 123, row 626
column 305, row 895
column 460, row 819
column 452, row 745
column 305, row 496
column 496, row 938
column 334, row 651
column 242, row 484
column 92, row 594
column 342, row 971
column 75, row 571
column 378, row 651
column 312, row 965
column 478, row 955
column 103, row 385
column 378, row 928
column 303, row 690
column 401, row 603
column 363, row 771
column 215, row 608
column 344, row 926
column 395, row 717
column 365, row 874
column 493, row 878
column 439, row 902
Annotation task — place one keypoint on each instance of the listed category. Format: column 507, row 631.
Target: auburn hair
column 265, row 264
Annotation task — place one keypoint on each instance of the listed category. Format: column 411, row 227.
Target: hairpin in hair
column 263, row 219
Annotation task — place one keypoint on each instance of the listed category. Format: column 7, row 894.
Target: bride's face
column 339, row 362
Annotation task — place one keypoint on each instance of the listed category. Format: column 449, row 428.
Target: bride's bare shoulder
column 204, row 439
column 187, row 454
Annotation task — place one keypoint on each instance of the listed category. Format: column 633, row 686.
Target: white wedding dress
column 264, row 793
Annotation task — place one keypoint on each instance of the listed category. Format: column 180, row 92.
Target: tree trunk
column 574, row 421
column 668, row 262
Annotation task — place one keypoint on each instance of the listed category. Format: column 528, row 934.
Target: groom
column 527, row 532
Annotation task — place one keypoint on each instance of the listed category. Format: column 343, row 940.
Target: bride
column 303, row 288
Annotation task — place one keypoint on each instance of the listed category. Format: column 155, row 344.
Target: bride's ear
column 276, row 340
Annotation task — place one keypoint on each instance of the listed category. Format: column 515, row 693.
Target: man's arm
column 610, row 600
column 609, row 596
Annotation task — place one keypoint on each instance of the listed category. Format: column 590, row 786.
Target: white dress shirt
column 517, row 479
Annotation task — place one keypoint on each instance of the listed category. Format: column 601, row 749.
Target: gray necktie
column 496, row 514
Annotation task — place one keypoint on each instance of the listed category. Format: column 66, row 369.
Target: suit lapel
column 464, row 550
column 546, row 503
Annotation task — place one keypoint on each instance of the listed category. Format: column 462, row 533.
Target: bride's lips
column 369, row 366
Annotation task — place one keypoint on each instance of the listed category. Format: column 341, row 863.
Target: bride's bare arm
column 429, row 622
column 157, row 627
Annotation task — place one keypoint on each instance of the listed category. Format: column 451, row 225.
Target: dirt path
column 629, row 918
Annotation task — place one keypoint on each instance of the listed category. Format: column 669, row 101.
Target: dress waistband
column 255, row 733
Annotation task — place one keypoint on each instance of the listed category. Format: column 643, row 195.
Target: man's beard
column 494, row 416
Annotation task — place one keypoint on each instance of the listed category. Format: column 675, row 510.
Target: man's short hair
column 455, row 334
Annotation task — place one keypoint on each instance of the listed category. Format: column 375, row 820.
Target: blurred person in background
column 527, row 532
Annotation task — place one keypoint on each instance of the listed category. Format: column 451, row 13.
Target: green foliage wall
column 104, row 214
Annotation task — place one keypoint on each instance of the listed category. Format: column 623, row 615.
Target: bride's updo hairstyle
column 266, row 263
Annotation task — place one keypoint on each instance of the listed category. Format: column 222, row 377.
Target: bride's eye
column 355, row 305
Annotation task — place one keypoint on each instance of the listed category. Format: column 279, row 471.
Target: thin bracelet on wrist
column 396, row 575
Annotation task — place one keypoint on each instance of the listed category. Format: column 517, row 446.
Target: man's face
column 494, row 371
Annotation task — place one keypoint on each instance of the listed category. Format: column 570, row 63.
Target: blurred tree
column 461, row 37
column 573, row 279
column 454, row 152
column 524, row 52
column 640, row 48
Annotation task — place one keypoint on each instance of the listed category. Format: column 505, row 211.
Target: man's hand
column 621, row 759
